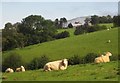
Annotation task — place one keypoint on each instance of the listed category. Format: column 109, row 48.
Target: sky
column 15, row 11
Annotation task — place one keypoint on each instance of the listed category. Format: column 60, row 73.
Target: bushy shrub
column 14, row 60
column 90, row 57
column 70, row 25
column 80, row 30
column 63, row 34
column 76, row 59
column 96, row 28
column 119, row 57
column 114, row 57
column 38, row 63
column 87, row 29
column 116, row 21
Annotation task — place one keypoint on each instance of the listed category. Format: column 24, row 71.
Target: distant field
column 109, row 25
column 64, row 48
column 83, row 72
column 71, row 31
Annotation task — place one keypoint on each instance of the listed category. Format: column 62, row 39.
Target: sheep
column 20, row 69
column 108, row 41
column 56, row 65
column 103, row 58
column 108, row 29
column 9, row 70
column 23, row 69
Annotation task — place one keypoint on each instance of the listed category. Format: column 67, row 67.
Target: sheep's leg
column 49, row 69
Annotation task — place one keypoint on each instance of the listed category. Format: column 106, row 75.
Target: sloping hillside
column 83, row 72
column 64, row 48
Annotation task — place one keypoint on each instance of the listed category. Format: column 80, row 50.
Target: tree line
column 101, row 19
column 31, row 30
column 35, row 29
column 105, row 19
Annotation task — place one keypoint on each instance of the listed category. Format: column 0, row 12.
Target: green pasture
column 82, row 72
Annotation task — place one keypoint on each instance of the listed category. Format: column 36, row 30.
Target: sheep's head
column 22, row 67
column 108, row 54
column 65, row 62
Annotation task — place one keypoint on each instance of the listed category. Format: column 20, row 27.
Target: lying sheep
column 9, row 70
column 103, row 58
column 20, row 69
column 56, row 65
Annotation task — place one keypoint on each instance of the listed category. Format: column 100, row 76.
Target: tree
column 14, row 60
column 16, row 26
column 109, row 19
column 76, row 59
column 116, row 21
column 64, row 19
column 80, row 30
column 12, row 39
column 37, row 29
column 38, row 63
column 56, row 23
column 70, row 25
column 30, row 23
column 94, row 19
column 90, row 57
column 87, row 22
column 8, row 25
column 63, row 22
column 63, row 34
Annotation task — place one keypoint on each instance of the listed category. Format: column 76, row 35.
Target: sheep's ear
column 63, row 62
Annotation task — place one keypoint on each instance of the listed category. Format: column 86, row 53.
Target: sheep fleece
column 55, row 65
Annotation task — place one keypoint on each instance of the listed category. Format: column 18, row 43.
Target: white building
column 76, row 21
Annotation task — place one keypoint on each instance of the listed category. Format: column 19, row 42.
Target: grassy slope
column 109, row 25
column 67, row 47
column 90, row 72
column 64, row 48
column 71, row 31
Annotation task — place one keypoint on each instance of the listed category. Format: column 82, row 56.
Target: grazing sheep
column 103, row 58
column 20, row 69
column 56, row 65
column 9, row 70
column 108, row 41
column 108, row 29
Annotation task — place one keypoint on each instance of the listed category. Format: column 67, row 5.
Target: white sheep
column 56, row 65
column 103, row 58
column 108, row 41
column 108, row 29
column 20, row 69
column 9, row 70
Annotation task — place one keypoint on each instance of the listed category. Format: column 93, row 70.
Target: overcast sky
column 15, row 11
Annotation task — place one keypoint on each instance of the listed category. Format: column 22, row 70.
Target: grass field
column 108, row 25
column 71, row 31
column 64, row 48
column 81, row 45
column 83, row 72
